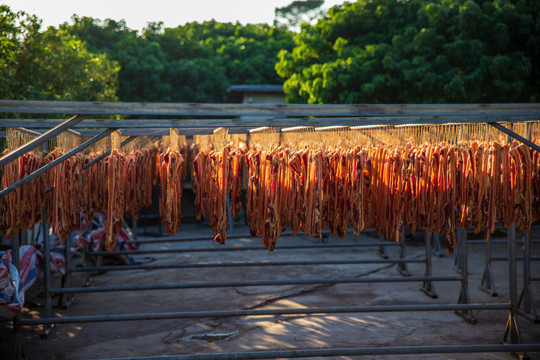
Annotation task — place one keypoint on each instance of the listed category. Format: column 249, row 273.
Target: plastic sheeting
column 91, row 235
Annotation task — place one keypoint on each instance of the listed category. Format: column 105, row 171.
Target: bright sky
column 137, row 12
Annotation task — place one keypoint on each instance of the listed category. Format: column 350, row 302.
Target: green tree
column 389, row 51
column 50, row 65
column 195, row 62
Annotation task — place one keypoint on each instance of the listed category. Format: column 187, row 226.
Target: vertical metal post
column 65, row 299
column 488, row 282
column 464, row 297
column 437, row 250
column 529, row 307
column 382, row 249
column 458, row 257
column 84, row 258
column 17, row 328
column 526, row 297
column 512, row 329
column 427, row 286
column 47, row 310
column 135, row 229
column 402, row 266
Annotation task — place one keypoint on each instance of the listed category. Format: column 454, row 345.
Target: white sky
column 137, row 12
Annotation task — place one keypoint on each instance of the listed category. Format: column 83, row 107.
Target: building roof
column 235, row 93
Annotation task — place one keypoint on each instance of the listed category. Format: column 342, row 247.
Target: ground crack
column 307, row 291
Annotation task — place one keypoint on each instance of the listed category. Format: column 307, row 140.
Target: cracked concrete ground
column 211, row 335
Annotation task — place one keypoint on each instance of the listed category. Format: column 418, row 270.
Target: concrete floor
column 211, row 335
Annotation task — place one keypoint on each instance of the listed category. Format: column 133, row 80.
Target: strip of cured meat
column 201, row 166
column 172, row 167
column 67, row 203
column 237, row 160
column 523, row 215
column 116, row 198
column 22, row 208
column 220, row 176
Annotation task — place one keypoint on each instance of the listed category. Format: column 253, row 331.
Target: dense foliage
column 369, row 51
column 416, row 51
column 195, row 62
column 51, row 64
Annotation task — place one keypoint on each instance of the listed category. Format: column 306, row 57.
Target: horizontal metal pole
column 535, row 279
column 225, row 249
column 202, row 237
column 167, row 239
column 206, row 125
column 252, row 283
column 40, row 140
column 172, row 239
column 265, row 312
column 269, row 263
column 55, row 162
column 165, row 131
column 496, row 241
column 366, row 351
column 518, row 258
column 493, row 241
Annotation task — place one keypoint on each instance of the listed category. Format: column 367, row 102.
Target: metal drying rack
column 201, row 118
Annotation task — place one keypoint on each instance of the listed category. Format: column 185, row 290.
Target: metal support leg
column 47, row 309
column 17, row 328
column 511, row 333
column 488, row 282
column 437, row 245
column 85, row 258
column 65, row 299
column 402, row 266
column 526, row 297
column 458, row 257
column 427, row 286
column 135, row 229
column 464, row 297
column 382, row 249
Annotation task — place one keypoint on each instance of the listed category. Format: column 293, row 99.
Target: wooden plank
column 302, row 121
column 198, row 109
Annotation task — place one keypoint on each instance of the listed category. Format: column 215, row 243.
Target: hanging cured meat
column 23, row 207
column 67, row 203
column 237, row 180
column 116, row 198
column 212, row 177
column 171, row 180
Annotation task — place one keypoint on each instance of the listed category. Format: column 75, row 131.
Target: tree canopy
column 50, row 65
column 369, row 51
column 416, row 51
column 195, row 62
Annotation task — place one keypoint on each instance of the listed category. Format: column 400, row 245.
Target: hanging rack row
column 278, row 116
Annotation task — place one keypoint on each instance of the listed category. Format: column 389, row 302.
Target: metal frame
column 366, row 351
column 280, row 115
column 526, row 296
column 487, row 283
